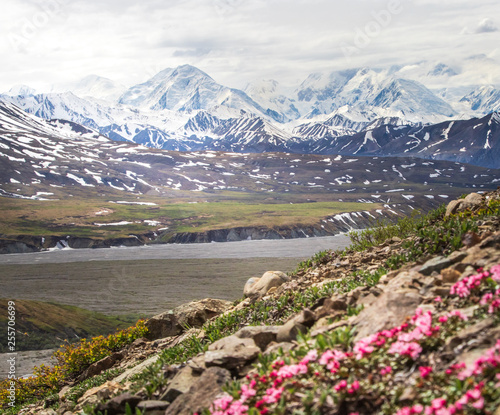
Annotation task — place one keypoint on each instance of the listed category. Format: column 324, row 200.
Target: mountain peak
column 21, row 89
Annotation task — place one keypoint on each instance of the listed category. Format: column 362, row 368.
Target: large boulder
column 258, row 287
column 472, row 201
column 194, row 314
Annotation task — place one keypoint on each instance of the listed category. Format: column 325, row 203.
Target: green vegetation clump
column 42, row 325
column 72, row 360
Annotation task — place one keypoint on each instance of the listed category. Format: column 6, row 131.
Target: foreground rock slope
column 406, row 321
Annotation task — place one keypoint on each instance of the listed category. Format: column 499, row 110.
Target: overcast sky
column 237, row 41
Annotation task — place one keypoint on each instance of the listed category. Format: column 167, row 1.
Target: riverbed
column 151, row 279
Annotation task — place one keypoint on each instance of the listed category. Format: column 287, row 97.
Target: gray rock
column 201, row 394
column 136, row 369
column 180, row 384
column 472, row 201
column 262, row 285
column 389, row 310
column 152, row 407
column 118, row 404
column 247, row 289
column 231, row 352
column 194, row 314
column 297, row 324
column 289, row 331
column 261, row 335
column 453, row 207
column 102, row 365
column 435, row 264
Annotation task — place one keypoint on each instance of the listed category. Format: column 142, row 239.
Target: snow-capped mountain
column 22, row 90
column 271, row 96
column 483, row 99
column 474, row 141
column 46, row 160
column 188, row 89
column 184, row 109
column 96, row 87
column 65, row 106
column 367, row 89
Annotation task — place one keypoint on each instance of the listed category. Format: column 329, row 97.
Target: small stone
column 435, row 264
column 102, row 365
column 193, row 314
column 62, row 393
column 492, row 241
column 471, row 239
column 117, row 405
column 450, row 275
column 276, row 347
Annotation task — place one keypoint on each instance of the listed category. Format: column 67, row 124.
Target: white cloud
column 486, row 26
column 234, row 41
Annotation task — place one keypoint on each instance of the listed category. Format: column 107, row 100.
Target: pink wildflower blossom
column 341, row 385
column 273, row 395
column 411, row 349
column 223, row 403
column 438, row 299
column 247, row 391
column 311, row 356
column 292, row 370
column 459, row 314
column 425, row 371
column 417, row 409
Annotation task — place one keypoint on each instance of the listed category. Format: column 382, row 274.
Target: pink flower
column 386, row 370
column 459, row 314
column 486, row 298
column 341, row 385
column 443, row 319
column 495, row 304
column 412, row 349
column 479, row 404
column 247, row 392
column 223, row 403
column 311, row 356
column 438, row 299
column 273, row 395
column 353, row 387
column 438, row 403
column 292, row 370
column 425, row 371
column 417, row 409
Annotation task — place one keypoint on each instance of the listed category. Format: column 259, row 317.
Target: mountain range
column 358, row 112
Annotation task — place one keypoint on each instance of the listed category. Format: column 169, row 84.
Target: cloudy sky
column 236, row 41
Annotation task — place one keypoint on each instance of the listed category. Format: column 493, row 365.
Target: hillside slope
column 406, row 321
column 42, row 325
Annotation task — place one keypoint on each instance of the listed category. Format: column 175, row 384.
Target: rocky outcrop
column 26, row 243
column 174, row 322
